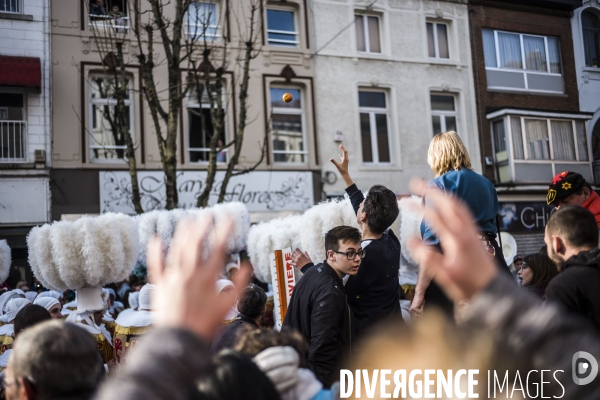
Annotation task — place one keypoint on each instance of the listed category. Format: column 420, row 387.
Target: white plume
column 5, row 260
column 306, row 231
column 164, row 223
column 90, row 252
column 411, row 216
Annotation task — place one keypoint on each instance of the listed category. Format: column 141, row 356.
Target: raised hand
column 186, row 296
column 300, row 258
column 342, row 165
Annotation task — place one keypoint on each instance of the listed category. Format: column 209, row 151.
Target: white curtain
column 535, row 53
column 554, row 55
column 562, row 140
column 582, row 146
column 509, row 47
column 489, row 48
column 536, row 137
column 517, row 138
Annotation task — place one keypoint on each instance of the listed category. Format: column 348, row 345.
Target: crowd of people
column 198, row 330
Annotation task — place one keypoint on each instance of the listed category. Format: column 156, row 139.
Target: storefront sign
column 260, row 191
column 524, row 217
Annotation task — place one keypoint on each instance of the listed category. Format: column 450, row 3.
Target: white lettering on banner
column 260, row 191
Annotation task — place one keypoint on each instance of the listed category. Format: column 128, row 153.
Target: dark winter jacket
column 577, row 287
column 229, row 335
column 373, row 291
column 319, row 311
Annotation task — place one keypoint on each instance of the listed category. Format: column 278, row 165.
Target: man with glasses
column 373, row 291
column 318, row 308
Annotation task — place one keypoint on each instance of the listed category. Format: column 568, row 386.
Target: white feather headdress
column 163, row 224
column 306, row 231
column 5, row 260
column 90, row 252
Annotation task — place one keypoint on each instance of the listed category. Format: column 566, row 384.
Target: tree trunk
column 122, row 88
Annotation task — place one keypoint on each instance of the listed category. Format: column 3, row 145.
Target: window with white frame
column 529, row 148
column 288, row 126
column 282, row 28
column 522, row 62
column 201, row 128
column 367, row 33
column 443, row 113
column 112, row 14
column 374, row 127
column 437, row 40
column 11, row 6
column 13, row 127
column 107, row 126
column 201, row 20
column 590, row 24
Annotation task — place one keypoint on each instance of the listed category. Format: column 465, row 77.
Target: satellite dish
column 509, row 247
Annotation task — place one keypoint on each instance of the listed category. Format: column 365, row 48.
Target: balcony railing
column 13, row 136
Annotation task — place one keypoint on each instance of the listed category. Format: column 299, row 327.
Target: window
column 591, row 38
column 367, row 34
column 201, row 21
column 287, row 126
column 13, row 127
column 12, row 6
column 437, row 40
column 529, row 148
column 522, row 62
column 443, row 113
column 200, row 128
column 107, row 141
column 374, row 127
column 109, row 13
column 281, row 28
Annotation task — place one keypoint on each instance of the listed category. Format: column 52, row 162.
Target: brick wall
column 519, row 19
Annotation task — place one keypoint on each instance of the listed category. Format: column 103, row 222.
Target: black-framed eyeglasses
column 352, row 254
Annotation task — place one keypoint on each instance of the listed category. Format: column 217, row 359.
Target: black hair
column 29, row 316
column 574, row 224
column 543, row 269
column 341, row 234
column 252, row 300
column 234, row 376
column 381, row 207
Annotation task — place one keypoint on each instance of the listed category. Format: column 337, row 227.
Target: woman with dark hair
column 536, row 272
column 234, row 376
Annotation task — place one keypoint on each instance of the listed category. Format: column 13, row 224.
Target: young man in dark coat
column 373, row 291
column 251, row 305
column 572, row 241
column 318, row 308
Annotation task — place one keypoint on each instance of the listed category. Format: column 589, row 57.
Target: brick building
column 24, row 121
column 528, row 111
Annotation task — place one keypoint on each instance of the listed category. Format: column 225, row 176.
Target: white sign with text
column 260, row 191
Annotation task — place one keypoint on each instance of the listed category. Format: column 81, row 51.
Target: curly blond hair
column 447, row 152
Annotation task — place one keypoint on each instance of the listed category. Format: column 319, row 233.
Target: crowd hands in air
column 208, row 339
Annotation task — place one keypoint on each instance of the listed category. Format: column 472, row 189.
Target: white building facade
column 389, row 75
column 25, row 113
column 585, row 24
